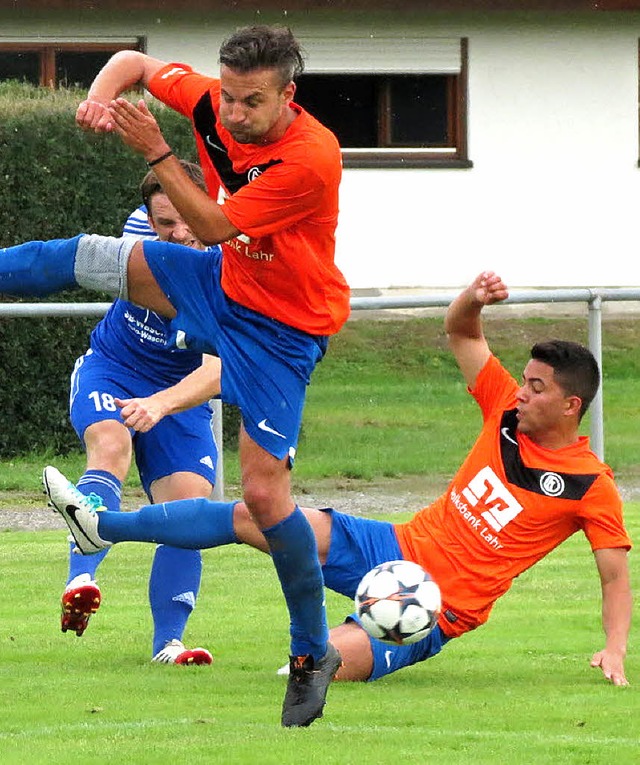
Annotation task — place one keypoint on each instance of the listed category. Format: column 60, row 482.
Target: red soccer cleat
column 80, row 600
column 174, row 652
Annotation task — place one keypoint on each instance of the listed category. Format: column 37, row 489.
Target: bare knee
column 108, row 446
column 268, row 499
column 256, row 495
column 266, row 483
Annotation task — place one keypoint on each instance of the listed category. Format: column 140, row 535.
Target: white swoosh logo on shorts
column 387, row 658
column 263, row 426
column 505, row 433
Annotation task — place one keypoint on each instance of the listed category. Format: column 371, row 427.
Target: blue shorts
column 180, row 442
column 266, row 365
column 357, row 545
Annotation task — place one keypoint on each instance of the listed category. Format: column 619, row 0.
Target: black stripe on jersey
column 546, row 482
column 204, row 120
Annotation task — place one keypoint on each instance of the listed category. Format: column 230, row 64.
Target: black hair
column 574, row 368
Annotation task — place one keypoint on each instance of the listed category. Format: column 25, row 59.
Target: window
column 59, row 63
column 406, row 108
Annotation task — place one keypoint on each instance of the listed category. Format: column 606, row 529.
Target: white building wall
column 552, row 197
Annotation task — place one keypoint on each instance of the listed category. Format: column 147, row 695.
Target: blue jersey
column 137, row 225
column 129, row 357
column 136, row 338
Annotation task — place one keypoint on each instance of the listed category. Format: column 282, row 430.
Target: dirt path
column 20, row 511
column 27, row 512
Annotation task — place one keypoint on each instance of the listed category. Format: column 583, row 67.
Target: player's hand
column 141, row 414
column 488, row 288
column 93, row 114
column 612, row 666
column 138, row 128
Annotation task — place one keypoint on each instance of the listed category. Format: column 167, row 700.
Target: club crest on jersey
column 552, row 484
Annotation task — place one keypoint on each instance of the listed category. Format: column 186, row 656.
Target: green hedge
column 57, row 181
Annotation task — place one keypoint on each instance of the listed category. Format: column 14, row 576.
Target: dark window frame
column 47, row 52
column 453, row 156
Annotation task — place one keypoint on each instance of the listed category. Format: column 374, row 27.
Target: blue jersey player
column 118, row 404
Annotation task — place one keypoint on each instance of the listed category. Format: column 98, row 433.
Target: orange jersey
column 282, row 196
column 508, row 506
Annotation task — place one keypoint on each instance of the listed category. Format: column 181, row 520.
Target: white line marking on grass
column 585, row 739
column 561, row 738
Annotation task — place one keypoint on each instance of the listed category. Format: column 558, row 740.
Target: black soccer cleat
column 307, row 687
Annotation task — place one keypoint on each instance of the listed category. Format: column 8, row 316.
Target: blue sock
column 295, row 556
column 109, row 488
column 173, row 589
column 188, row 523
column 38, row 268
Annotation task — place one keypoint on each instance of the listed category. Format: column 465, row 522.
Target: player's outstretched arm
column 616, row 613
column 202, row 384
column 123, row 70
column 463, row 323
column 138, row 128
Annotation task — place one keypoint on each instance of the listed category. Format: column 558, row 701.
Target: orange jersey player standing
column 529, row 482
column 269, row 304
column 282, row 196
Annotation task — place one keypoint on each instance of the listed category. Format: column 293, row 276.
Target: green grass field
column 387, row 403
column 519, row 690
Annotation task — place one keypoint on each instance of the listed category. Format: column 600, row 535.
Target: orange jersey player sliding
column 529, row 482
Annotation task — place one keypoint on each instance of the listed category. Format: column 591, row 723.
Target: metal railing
column 593, row 298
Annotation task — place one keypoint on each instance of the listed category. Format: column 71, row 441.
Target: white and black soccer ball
column 398, row 602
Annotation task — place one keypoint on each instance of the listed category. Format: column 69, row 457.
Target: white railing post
column 216, row 426
column 595, row 346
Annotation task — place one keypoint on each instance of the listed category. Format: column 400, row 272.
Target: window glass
column 381, row 111
column 346, row 104
column 55, row 64
column 23, row 66
column 79, row 68
column 419, row 110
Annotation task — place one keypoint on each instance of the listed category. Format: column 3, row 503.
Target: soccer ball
column 398, row 602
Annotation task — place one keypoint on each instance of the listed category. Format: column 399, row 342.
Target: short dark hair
column 574, row 368
column 263, row 47
column 151, row 185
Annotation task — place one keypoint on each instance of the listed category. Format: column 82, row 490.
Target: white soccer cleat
column 174, row 652
column 78, row 510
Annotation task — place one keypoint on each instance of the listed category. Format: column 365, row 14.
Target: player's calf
column 38, row 268
column 87, row 260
